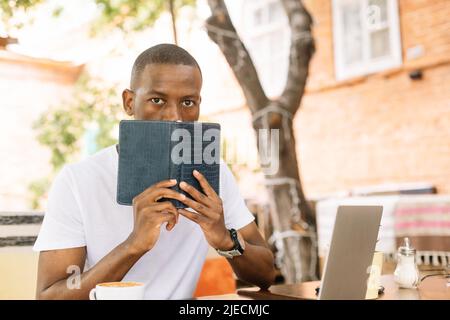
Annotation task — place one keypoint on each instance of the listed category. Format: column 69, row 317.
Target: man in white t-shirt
column 151, row 241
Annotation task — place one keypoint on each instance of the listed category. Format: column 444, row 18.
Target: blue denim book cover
column 152, row 151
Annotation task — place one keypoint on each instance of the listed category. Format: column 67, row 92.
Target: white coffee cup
column 125, row 290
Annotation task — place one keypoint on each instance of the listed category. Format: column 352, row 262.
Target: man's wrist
column 132, row 247
column 227, row 244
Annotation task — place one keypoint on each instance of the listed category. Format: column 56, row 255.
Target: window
column 266, row 34
column 366, row 37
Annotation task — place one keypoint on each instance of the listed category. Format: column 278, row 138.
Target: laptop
column 347, row 266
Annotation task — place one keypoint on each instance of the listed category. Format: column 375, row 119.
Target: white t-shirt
column 82, row 211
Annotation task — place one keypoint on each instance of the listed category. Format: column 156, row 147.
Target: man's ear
column 128, row 101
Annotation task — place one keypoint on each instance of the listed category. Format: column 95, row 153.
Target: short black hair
column 165, row 53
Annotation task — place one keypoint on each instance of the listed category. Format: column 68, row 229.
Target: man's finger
column 197, row 195
column 195, row 217
column 207, row 189
column 165, row 207
column 199, row 207
column 171, row 223
column 161, row 184
column 170, row 219
column 162, row 212
column 157, row 194
column 167, row 217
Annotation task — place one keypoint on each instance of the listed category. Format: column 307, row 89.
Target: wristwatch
column 238, row 248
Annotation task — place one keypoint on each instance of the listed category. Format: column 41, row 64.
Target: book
column 152, row 151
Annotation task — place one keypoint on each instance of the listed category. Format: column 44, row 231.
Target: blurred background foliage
column 127, row 15
column 92, row 115
column 134, row 15
column 95, row 109
column 89, row 121
column 13, row 13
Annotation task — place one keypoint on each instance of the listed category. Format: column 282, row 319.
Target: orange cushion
column 216, row 278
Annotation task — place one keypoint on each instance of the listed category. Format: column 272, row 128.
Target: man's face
column 165, row 92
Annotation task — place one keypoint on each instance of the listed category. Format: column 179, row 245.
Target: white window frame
column 252, row 6
column 368, row 65
column 251, row 32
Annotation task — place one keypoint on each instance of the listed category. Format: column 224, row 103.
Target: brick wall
column 382, row 128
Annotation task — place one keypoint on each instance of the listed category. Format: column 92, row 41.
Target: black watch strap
column 234, row 237
column 237, row 249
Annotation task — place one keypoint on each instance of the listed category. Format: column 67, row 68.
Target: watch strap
column 237, row 249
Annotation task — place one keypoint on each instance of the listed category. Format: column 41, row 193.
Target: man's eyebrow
column 149, row 92
column 191, row 96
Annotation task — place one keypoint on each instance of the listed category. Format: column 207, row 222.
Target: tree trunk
column 293, row 221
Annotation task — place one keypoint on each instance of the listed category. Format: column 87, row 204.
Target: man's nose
column 171, row 112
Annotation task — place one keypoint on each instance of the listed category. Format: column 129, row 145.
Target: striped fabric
column 426, row 221
column 418, row 219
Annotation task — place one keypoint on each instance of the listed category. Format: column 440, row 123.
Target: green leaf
column 62, row 128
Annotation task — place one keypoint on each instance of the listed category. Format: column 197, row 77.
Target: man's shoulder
column 92, row 164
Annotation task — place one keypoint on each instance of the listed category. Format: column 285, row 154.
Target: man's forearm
column 113, row 267
column 255, row 266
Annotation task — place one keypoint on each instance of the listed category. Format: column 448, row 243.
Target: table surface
column 432, row 288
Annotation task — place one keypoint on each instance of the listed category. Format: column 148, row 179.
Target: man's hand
column 209, row 213
column 149, row 214
column 209, row 216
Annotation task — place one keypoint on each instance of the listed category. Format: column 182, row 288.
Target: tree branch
column 174, row 22
column 221, row 30
column 301, row 51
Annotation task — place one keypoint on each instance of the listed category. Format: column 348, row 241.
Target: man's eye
column 188, row 103
column 157, row 100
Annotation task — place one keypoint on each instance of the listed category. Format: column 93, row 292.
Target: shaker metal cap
column 407, row 249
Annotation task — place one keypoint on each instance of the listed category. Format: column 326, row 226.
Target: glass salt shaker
column 406, row 273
